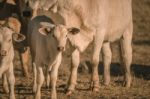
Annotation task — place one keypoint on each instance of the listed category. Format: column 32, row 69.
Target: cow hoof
column 106, row 84
column 69, row 92
column 25, row 74
column 6, row 90
column 127, row 85
column 95, row 89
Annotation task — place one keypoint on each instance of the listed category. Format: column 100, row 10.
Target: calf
column 9, row 32
column 7, row 8
column 47, row 41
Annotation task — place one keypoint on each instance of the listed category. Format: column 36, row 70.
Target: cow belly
column 113, row 37
column 117, row 27
column 115, row 34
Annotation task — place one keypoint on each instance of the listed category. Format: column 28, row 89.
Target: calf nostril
column 60, row 48
column 27, row 13
column 3, row 53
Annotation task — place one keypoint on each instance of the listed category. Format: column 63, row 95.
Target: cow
column 47, row 42
column 100, row 21
column 9, row 34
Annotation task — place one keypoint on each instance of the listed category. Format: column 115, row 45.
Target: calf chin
column 3, row 53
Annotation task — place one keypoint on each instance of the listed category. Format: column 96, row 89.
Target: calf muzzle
column 3, row 53
column 60, row 48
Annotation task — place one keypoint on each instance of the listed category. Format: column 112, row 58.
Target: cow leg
column 35, row 78
column 40, row 80
column 47, row 78
column 25, row 61
column 53, row 76
column 98, row 41
column 106, row 55
column 11, row 81
column 5, row 83
column 126, row 54
column 3, row 68
column 74, row 67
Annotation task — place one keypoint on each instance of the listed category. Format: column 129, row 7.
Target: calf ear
column 13, row 2
column 54, row 8
column 73, row 30
column 45, row 30
column 17, row 37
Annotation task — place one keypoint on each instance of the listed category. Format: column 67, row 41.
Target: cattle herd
column 78, row 22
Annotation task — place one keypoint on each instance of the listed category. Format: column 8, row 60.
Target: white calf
column 8, row 33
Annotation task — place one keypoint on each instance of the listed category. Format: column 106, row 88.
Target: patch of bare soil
column 140, row 68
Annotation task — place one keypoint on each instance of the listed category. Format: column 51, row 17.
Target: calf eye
column 53, row 35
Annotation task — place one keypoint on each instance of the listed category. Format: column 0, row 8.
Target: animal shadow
column 138, row 70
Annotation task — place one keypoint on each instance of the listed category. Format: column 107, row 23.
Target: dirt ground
column 140, row 68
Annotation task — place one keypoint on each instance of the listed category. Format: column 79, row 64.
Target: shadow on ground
column 140, row 71
column 143, row 42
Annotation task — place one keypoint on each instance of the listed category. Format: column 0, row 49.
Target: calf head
column 58, row 33
column 49, row 4
column 13, row 2
column 8, row 34
column 30, row 7
column 43, row 4
column 25, row 10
